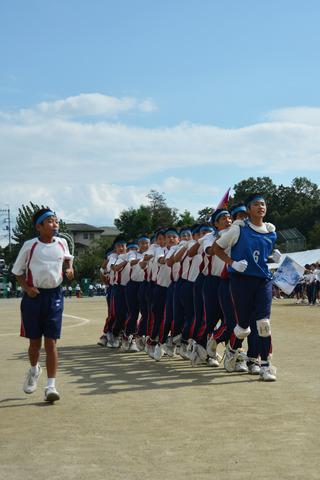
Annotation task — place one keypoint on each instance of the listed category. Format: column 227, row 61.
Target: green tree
column 146, row 218
column 185, row 219
column 204, row 214
column 87, row 265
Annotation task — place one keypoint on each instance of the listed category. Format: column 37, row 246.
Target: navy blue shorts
column 42, row 315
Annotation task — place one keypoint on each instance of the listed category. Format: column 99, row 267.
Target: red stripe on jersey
column 29, row 273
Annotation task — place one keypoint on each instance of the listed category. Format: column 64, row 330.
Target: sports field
column 123, row 416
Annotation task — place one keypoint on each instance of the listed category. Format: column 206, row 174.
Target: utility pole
column 6, row 213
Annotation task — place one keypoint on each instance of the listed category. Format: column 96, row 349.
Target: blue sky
column 101, row 101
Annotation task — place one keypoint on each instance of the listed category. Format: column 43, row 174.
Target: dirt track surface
column 123, row 416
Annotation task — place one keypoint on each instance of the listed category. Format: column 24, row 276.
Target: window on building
column 85, row 235
column 91, row 236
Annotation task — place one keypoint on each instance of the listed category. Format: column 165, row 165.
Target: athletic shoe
column 51, row 395
column 140, row 343
column 253, row 368
column 110, row 339
column 30, row 383
column 241, row 366
column 183, row 351
column 133, row 346
column 230, row 359
column 202, row 352
column 116, row 342
column 102, row 341
column 212, row 362
column 268, row 374
column 125, row 344
column 158, row 352
column 195, row 359
column 211, row 347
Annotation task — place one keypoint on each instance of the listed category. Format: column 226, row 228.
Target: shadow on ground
column 99, row 370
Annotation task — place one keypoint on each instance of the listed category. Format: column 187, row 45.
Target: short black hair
column 38, row 214
column 216, row 214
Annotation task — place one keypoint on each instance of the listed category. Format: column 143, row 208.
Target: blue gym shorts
column 42, row 315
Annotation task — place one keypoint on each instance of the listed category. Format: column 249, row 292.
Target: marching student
column 38, row 269
column 137, row 276
column 107, row 277
column 250, row 281
column 197, row 273
column 162, row 299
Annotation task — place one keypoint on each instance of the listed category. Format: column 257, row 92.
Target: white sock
column 35, row 369
column 51, row 382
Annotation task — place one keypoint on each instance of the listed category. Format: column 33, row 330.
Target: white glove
column 239, row 266
column 276, row 256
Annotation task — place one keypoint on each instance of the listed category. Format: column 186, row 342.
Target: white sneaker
column 116, row 342
column 110, row 339
column 202, row 352
column 254, row 369
column 149, row 349
column 140, row 343
column 268, row 374
column 30, row 383
column 133, row 346
column 212, row 347
column 212, row 362
column 51, row 395
column 196, row 360
column 169, row 349
column 158, row 352
column 241, row 366
column 125, row 344
column 183, row 351
column 230, row 359
column 103, row 340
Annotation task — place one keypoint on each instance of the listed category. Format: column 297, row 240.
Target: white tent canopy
column 308, row 256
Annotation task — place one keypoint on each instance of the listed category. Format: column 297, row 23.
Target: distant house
column 291, row 240
column 83, row 234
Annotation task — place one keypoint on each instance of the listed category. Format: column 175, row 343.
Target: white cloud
column 300, row 115
column 89, row 170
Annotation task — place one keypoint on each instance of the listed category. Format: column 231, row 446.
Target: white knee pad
column 264, row 327
column 241, row 333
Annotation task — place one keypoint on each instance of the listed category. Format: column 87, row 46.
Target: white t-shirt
column 137, row 273
column 217, row 266
column 164, row 273
column 111, row 261
column 122, row 276
column 41, row 262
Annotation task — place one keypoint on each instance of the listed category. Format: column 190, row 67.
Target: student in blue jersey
column 38, row 269
column 251, row 244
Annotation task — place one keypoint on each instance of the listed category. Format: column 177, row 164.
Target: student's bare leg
column 50, row 346
column 34, row 350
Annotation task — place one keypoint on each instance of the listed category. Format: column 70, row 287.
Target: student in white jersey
column 39, row 271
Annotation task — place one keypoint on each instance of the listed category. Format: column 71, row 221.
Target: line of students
column 186, row 292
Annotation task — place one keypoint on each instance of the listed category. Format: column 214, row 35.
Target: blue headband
column 132, row 245
column 184, row 231
column 147, row 239
column 242, row 208
column 120, row 242
column 254, row 199
column 44, row 216
column 206, row 229
column 172, row 232
column 220, row 214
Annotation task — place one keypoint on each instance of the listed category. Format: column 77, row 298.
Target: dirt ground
column 123, row 416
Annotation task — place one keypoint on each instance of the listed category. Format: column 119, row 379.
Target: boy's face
column 185, row 236
column 143, row 245
column 223, row 222
column 48, row 227
column 121, row 248
column 257, row 208
column 241, row 216
column 196, row 236
column 172, row 240
column 161, row 240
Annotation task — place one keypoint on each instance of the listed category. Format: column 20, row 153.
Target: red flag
column 224, row 201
